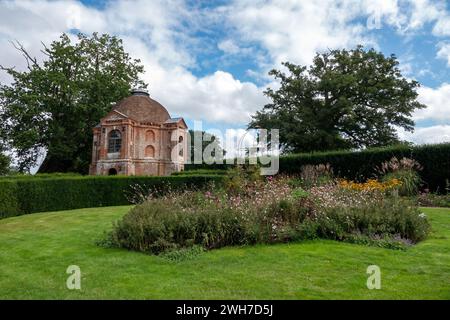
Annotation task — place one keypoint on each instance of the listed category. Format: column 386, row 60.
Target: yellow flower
column 370, row 185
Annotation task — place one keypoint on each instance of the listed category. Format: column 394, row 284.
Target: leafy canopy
column 209, row 143
column 53, row 105
column 345, row 99
column 4, row 163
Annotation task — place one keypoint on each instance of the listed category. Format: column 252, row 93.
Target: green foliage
column 200, row 172
column 390, row 218
column 314, row 175
column 362, row 165
column 346, row 99
column 4, row 164
column 216, row 166
column 410, row 180
column 155, row 227
column 433, row 200
column 209, row 146
column 183, row 254
column 20, row 176
column 33, row 194
column 163, row 225
column 9, row 201
column 387, row 242
column 237, row 178
column 299, row 193
column 54, row 105
column 404, row 170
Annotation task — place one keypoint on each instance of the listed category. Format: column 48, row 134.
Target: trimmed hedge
column 34, row 194
column 361, row 165
column 5, row 161
column 40, row 176
column 200, row 172
column 203, row 166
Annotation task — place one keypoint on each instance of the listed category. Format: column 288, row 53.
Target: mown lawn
column 35, row 251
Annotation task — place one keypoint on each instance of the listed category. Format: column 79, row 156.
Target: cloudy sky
column 208, row 60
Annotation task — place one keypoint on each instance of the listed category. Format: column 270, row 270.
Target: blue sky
column 209, row 60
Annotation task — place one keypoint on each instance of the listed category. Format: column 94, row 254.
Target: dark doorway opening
column 112, row 172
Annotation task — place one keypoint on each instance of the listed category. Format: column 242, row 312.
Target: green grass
column 36, row 249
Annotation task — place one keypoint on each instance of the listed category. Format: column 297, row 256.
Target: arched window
column 180, row 139
column 114, row 141
column 149, row 152
column 150, row 136
column 112, row 172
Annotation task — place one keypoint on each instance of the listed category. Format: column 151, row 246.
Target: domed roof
column 140, row 107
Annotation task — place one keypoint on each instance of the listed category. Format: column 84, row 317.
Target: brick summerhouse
column 138, row 137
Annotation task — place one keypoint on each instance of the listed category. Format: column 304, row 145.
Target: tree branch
column 45, row 51
column 28, row 58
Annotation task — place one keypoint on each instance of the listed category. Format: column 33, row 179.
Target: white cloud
column 442, row 26
column 162, row 34
column 214, row 98
column 438, row 102
column 217, row 97
column 157, row 32
column 428, row 135
column 407, row 16
column 228, row 46
column 422, row 12
column 444, row 51
column 295, row 30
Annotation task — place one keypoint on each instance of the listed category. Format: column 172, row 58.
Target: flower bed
column 270, row 210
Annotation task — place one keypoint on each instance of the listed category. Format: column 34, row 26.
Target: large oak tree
column 346, row 99
column 53, row 105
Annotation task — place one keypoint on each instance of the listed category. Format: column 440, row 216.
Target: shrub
column 433, row 200
column 362, row 165
column 210, row 219
column 410, row 181
column 216, row 166
column 388, row 242
column 394, row 165
column 389, row 218
column 34, row 194
column 312, row 175
column 404, row 170
column 157, row 226
column 24, row 176
column 200, row 172
column 9, row 201
column 269, row 212
column 5, row 162
column 238, row 179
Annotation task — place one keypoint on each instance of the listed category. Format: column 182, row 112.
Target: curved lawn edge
column 36, row 250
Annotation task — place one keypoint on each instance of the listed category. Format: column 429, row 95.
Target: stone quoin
column 138, row 137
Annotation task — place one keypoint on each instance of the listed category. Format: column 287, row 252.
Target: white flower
column 422, row 215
